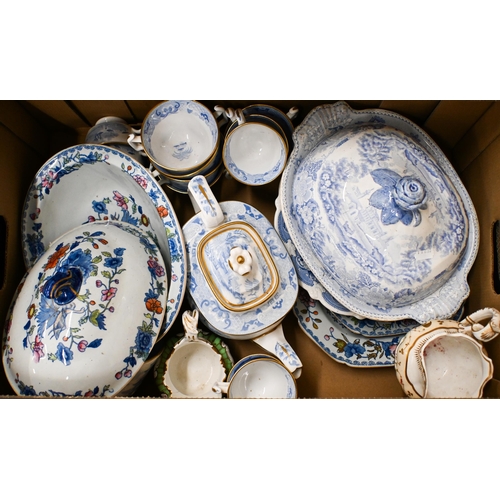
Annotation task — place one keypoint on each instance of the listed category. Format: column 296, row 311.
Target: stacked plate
column 376, row 219
column 101, row 243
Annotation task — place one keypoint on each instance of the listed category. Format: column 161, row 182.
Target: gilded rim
column 265, row 358
column 228, row 136
column 214, row 340
column 250, row 230
column 154, row 161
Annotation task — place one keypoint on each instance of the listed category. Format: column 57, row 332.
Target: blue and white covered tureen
column 379, row 215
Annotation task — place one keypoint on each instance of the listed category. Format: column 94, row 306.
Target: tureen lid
column 240, row 275
column 382, row 222
column 66, row 335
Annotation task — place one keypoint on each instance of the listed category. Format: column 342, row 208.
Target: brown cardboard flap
column 450, row 120
column 477, row 138
column 94, row 110
column 15, row 117
column 418, row 111
column 61, row 112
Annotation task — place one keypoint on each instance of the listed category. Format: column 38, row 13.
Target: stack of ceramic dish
column 257, row 143
column 115, row 132
column 182, row 139
column 101, row 242
column 377, row 222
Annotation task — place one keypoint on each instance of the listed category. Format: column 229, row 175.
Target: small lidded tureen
column 240, row 276
column 66, row 334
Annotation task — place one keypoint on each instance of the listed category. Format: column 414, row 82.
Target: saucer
column 339, row 342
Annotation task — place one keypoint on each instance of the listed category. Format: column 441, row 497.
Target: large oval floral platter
column 339, row 342
column 88, row 183
column 379, row 215
column 66, row 334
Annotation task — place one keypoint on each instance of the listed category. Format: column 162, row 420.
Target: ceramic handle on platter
column 276, row 344
column 204, row 202
column 474, row 327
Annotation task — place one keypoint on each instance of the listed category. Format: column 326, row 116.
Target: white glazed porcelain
column 66, row 334
column 379, row 215
column 254, row 153
column 340, row 343
column 446, row 359
column 258, row 377
column 89, row 183
column 181, row 185
column 284, row 120
column 179, row 137
column 109, row 130
column 194, row 364
column 234, row 302
column 306, row 278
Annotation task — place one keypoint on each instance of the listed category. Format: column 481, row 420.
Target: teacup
column 179, row 137
column 194, row 364
column 284, row 120
column 109, row 130
column 258, row 377
column 254, row 153
column 445, row 358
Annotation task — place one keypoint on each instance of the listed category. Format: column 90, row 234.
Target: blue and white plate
column 234, row 306
column 88, row 183
column 339, row 342
column 306, row 278
column 379, row 215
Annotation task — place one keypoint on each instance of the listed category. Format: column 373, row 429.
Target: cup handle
column 220, row 387
column 190, row 323
column 473, row 326
column 220, row 115
column 204, row 202
column 134, row 140
column 292, row 112
column 276, row 344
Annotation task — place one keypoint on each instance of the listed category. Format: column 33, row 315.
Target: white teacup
column 179, row 137
column 254, row 153
column 258, row 377
column 194, row 365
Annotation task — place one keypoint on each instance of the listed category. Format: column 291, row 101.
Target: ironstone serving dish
column 89, row 182
column 379, row 215
column 66, row 334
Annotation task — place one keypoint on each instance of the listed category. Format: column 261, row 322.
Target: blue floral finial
column 399, row 198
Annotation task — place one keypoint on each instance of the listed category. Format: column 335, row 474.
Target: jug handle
column 472, row 324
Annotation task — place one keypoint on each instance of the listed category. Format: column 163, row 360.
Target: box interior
column 468, row 132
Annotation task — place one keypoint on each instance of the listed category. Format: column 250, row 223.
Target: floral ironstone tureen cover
column 66, row 334
column 88, row 183
column 378, row 218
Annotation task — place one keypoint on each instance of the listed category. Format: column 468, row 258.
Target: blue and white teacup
column 179, row 137
column 258, row 376
column 254, row 152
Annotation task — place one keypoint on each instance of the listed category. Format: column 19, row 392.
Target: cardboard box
column 467, row 132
